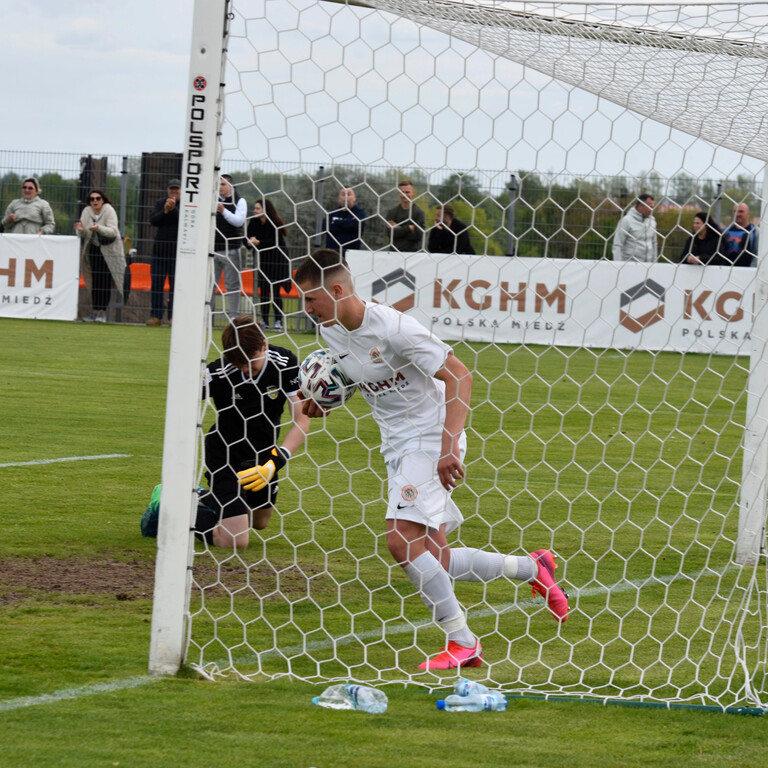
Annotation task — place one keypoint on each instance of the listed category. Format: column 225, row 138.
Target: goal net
column 619, row 408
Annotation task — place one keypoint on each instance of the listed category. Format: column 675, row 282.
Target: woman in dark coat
column 703, row 247
column 265, row 234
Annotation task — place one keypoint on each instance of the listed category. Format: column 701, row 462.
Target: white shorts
column 416, row 494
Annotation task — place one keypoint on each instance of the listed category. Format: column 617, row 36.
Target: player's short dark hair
column 320, row 265
column 641, row 198
column 447, row 208
column 405, row 183
column 242, row 339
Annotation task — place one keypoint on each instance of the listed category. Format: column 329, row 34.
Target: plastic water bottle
column 350, row 696
column 466, row 687
column 475, row 702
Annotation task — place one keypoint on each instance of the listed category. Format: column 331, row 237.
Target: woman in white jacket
column 30, row 214
column 102, row 259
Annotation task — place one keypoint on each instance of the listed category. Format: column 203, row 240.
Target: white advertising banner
column 39, row 276
column 565, row 302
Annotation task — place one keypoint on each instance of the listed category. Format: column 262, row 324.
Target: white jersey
column 394, row 358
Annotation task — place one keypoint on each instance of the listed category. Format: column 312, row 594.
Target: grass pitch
column 76, row 577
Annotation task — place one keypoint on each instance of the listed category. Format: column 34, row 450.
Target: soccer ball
column 322, row 380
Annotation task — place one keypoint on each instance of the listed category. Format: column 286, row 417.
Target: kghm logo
column 642, row 305
column 403, row 297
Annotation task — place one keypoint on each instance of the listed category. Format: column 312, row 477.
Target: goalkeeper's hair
column 242, row 339
column 321, row 266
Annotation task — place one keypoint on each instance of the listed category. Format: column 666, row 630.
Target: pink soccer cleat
column 546, row 586
column 455, row 655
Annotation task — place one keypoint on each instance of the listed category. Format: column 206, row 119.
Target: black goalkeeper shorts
column 227, row 497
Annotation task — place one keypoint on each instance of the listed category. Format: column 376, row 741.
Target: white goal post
column 640, row 456
column 189, row 338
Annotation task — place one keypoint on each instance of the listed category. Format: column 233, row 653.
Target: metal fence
column 527, row 213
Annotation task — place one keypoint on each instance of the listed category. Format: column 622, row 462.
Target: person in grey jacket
column 30, row 214
column 635, row 238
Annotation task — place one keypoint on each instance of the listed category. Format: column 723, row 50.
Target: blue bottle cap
column 315, row 699
column 440, row 703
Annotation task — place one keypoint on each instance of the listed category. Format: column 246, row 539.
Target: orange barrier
column 141, row 280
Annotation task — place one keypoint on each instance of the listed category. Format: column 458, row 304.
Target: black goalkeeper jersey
column 249, row 411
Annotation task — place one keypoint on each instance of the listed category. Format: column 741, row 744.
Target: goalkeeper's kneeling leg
column 228, row 528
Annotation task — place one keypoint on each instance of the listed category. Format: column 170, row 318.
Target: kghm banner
column 39, row 276
column 565, row 302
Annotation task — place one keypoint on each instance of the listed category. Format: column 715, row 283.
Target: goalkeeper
column 250, row 387
column 419, row 393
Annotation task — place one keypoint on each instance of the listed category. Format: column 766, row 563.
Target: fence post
column 319, row 210
column 123, row 193
column 719, row 201
column 514, row 189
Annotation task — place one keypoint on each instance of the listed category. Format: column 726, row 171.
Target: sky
column 110, row 77
column 102, row 77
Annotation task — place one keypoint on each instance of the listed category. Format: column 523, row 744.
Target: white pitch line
column 77, row 376
column 67, row 458
column 319, row 645
column 77, row 693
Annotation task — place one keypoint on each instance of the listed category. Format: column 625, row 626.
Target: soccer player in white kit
column 419, row 393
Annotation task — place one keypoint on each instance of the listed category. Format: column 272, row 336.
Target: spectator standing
column 230, row 218
column 345, row 226
column 740, row 239
column 165, row 217
column 102, row 259
column 703, row 247
column 265, row 234
column 635, row 238
column 29, row 214
column 449, row 235
column 406, row 220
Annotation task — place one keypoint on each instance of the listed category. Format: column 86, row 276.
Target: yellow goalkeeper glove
column 256, row 478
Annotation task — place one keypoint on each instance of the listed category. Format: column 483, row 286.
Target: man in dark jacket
column 739, row 244
column 406, row 221
column 345, row 225
column 165, row 217
column 449, row 235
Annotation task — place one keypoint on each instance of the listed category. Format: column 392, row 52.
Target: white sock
column 523, row 568
column 436, row 589
column 468, row 564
